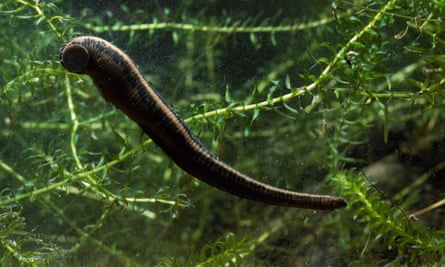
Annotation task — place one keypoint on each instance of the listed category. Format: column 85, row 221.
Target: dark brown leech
column 121, row 84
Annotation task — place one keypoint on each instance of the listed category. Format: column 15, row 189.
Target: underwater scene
column 222, row 133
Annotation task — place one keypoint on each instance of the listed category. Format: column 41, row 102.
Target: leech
column 121, row 84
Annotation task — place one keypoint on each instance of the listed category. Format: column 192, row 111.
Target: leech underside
column 121, row 84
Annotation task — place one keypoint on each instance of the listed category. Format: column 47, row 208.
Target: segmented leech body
column 121, row 84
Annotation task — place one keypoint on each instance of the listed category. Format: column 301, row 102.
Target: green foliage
column 302, row 96
column 224, row 251
column 18, row 247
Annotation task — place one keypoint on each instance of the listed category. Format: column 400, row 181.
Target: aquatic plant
column 306, row 97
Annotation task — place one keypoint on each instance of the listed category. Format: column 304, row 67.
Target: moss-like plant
column 301, row 96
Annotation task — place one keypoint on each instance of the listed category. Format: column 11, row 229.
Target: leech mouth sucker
column 121, row 84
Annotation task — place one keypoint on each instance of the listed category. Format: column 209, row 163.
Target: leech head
column 74, row 58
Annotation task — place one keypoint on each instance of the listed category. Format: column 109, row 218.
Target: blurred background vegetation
column 335, row 97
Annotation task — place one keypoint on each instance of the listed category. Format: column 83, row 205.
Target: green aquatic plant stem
column 384, row 219
column 13, row 172
column 250, row 248
column 303, row 89
column 36, row 6
column 75, row 123
column 387, row 13
column 65, row 187
column 30, row 76
column 9, row 245
column 236, row 27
